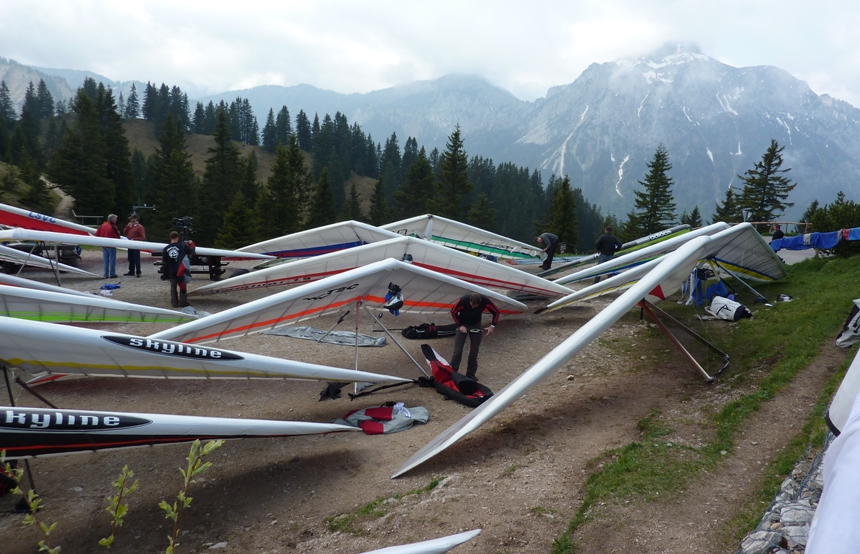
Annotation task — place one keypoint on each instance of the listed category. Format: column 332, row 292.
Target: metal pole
column 741, row 281
column 333, row 326
column 12, row 403
column 421, row 369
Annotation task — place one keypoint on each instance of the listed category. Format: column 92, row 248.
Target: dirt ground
column 519, row 477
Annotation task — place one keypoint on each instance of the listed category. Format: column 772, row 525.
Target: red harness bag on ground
column 452, row 384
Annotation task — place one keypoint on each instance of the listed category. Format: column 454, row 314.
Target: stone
column 760, row 542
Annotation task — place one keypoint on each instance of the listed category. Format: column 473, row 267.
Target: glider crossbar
column 6, row 371
column 650, row 309
column 387, row 332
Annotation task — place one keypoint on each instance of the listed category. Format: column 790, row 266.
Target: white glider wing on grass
column 38, row 432
column 60, row 307
column 467, row 238
column 39, row 347
column 46, row 236
column 322, row 240
column 424, row 291
column 422, row 253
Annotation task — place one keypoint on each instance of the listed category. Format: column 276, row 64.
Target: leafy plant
column 196, row 466
column 116, row 508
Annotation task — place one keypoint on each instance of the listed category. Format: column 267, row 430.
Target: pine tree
column 322, row 210
column 303, row 131
column 482, row 214
column 654, row 207
column 730, row 211
column 198, row 122
column 453, row 185
column 31, row 102
column 132, row 104
column 38, row 197
column 279, row 207
column 283, row 127
column 412, row 198
column 693, row 219
column 389, row 166
column 174, row 185
column 7, row 107
column 117, row 151
column 562, row 220
column 249, row 186
column 45, row 100
column 270, row 132
column 379, row 212
column 766, row 187
column 220, row 183
column 351, row 210
column 237, row 230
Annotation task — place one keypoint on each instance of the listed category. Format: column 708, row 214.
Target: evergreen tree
column 730, row 211
column 31, row 102
column 117, row 151
column 379, row 212
column 38, row 197
column 45, row 100
column 4, row 139
column 389, row 166
column 140, row 179
column 693, row 219
column 210, row 120
column 132, row 104
column 303, row 131
column 453, row 185
column 766, row 187
column 412, row 198
column 283, row 127
column 198, row 122
column 371, row 158
column 220, row 183
column 315, row 131
column 249, row 186
column 120, row 105
column 270, row 132
column 351, row 210
column 562, row 214
column 61, row 109
column 482, row 214
column 79, row 165
column 24, row 141
column 654, row 207
column 322, row 210
column 280, row 211
column 7, row 107
column 236, row 231
column 9, row 182
column 174, row 185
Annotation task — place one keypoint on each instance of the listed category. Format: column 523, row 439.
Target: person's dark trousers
column 600, row 259
column 133, row 262
column 550, row 252
column 174, row 296
column 474, row 347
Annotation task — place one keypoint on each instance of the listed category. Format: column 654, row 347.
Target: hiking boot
column 183, row 299
column 129, row 274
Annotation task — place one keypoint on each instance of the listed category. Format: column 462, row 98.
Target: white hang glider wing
column 666, row 277
column 626, row 248
column 626, row 261
column 13, row 281
column 60, row 307
column 23, row 258
column 739, row 251
column 467, row 238
column 322, row 240
column 434, row 546
column 58, row 349
column 11, row 216
column 45, row 236
column 38, row 432
column 428, row 255
column 424, row 291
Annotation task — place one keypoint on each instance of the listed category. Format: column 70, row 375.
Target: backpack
column 729, row 310
column 429, row 331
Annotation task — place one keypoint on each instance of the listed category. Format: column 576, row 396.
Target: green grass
column 346, row 523
column 767, row 354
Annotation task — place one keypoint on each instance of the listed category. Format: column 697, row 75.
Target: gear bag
column 729, row 310
column 454, row 385
column 429, row 331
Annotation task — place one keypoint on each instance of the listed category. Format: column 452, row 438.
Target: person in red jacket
column 467, row 313
column 134, row 231
column 109, row 230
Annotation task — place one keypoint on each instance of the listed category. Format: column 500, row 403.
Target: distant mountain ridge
column 714, row 119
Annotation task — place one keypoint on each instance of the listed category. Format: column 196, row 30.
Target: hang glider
column 322, row 240
column 24, row 258
column 45, row 236
column 626, row 248
column 422, row 253
column 42, row 432
column 39, row 347
column 466, row 238
column 434, row 546
column 60, row 307
column 846, row 396
column 424, row 291
column 626, row 261
column 13, row 281
column 11, row 216
column 660, row 282
column 738, row 251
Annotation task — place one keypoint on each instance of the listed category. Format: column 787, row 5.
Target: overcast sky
column 363, row 45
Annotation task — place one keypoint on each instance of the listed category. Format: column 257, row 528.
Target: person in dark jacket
column 550, row 244
column 467, row 313
column 173, row 270
column 607, row 245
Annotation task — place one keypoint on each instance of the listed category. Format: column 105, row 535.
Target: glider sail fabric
column 44, row 236
column 11, row 216
column 423, row 291
column 13, row 281
column 433, row 546
column 23, row 258
column 77, row 351
column 36, row 432
column 322, row 240
column 467, row 238
column 675, row 266
column 59, row 307
column 422, row 253
column 626, row 261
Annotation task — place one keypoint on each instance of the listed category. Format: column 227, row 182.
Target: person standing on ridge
column 607, row 245
column 467, row 313
column 134, row 231
column 109, row 230
column 550, row 244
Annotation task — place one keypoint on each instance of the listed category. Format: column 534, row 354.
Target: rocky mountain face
column 18, row 77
